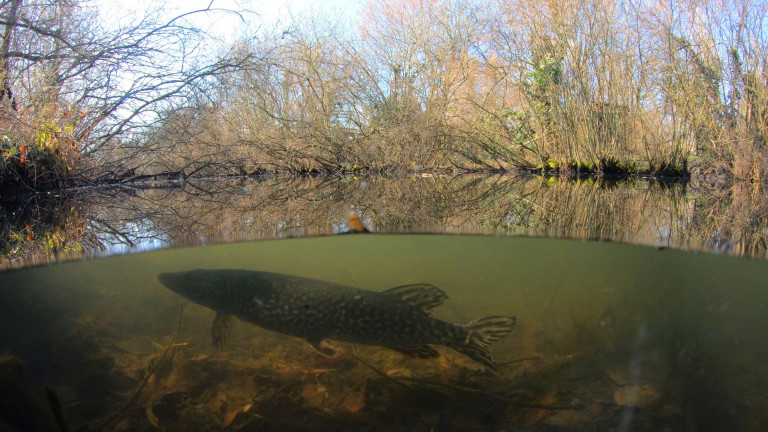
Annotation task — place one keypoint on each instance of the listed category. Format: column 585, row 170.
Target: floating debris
column 354, row 222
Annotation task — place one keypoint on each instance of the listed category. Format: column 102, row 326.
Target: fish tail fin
column 479, row 336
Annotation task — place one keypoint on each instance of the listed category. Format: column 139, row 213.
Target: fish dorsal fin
column 423, row 296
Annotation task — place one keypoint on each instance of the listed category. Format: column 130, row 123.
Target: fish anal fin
column 221, row 330
column 480, row 335
column 423, row 296
column 325, row 348
column 424, row 351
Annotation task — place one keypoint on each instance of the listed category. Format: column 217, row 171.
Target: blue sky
column 266, row 12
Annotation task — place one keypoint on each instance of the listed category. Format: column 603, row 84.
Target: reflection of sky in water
column 134, row 237
column 287, row 208
column 211, row 212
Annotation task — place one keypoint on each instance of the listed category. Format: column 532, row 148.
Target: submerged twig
column 399, row 381
column 151, row 370
column 55, row 404
column 375, row 369
column 522, row 359
column 486, row 393
column 493, row 395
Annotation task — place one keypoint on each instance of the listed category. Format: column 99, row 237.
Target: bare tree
column 95, row 86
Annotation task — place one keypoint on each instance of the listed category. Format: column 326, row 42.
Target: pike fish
column 318, row 311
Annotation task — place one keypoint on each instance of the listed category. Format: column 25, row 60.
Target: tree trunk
column 5, row 64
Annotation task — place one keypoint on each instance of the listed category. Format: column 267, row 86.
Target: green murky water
column 609, row 337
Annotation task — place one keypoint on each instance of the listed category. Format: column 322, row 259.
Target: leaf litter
column 272, row 382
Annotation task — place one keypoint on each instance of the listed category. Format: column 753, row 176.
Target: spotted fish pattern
column 318, row 311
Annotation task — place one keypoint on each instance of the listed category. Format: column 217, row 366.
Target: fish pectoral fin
column 221, row 330
column 325, row 348
column 424, row 351
column 423, row 296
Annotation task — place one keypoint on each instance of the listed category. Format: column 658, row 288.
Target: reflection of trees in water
column 731, row 219
column 36, row 228
column 643, row 212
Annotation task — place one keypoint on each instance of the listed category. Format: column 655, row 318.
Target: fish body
column 318, row 311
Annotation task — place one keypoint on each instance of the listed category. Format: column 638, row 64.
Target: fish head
column 208, row 288
column 173, row 281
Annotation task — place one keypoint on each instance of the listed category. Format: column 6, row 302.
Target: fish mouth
column 171, row 280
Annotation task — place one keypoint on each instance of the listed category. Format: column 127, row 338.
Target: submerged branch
column 154, row 365
column 400, row 381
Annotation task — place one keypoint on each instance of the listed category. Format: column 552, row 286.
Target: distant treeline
column 596, row 86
